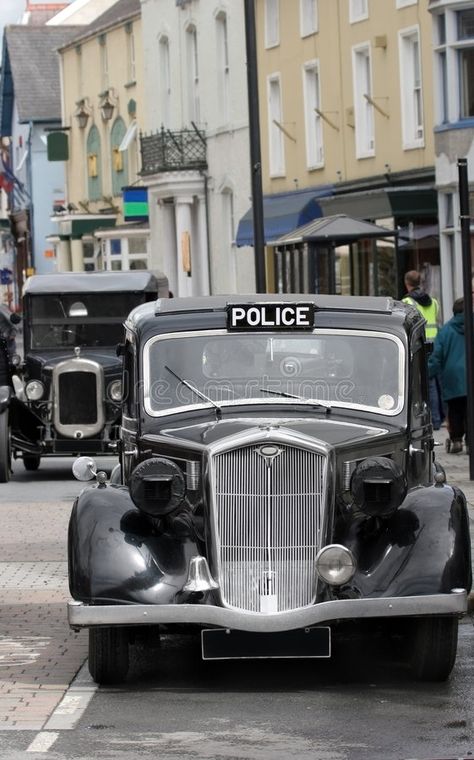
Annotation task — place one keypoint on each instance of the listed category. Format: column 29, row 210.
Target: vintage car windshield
column 79, row 319
column 354, row 369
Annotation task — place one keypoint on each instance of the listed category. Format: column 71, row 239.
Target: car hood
column 49, row 359
column 334, row 432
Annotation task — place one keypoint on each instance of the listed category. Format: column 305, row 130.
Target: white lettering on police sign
column 271, row 316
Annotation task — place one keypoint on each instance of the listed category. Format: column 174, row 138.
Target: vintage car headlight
column 157, row 486
column 378, row 486
column 34, row 390
column 335, row 564
column 115, row 390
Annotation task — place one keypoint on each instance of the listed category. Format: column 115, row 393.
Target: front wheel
column 5, row 452
column 31, row 462
column 434, row 644
column 108, row 654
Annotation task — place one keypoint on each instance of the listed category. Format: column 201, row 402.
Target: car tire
column 31, row 462
column 108, row 654
column 434, row 645
column 5, row 451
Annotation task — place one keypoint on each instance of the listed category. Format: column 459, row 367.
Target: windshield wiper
column 197, row 392
column 311, row 401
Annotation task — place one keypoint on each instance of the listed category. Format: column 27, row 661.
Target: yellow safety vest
column 430, row 313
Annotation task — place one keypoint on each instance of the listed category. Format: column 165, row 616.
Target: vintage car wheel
column 108, row 654
column 31, row 462
column 434, row 645
column 5, row 450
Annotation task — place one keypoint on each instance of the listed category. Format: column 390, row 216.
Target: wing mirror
column 85, row 468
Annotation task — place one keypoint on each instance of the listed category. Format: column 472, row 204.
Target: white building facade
column 453, row 41
column 195, row 149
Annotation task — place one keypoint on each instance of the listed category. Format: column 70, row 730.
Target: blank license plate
column 225, row 644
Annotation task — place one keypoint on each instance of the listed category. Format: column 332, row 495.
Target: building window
column 126, row 253
column 410, row 86
column 363, row 108
column 80, row 82
column 193, row 74
column 466, row 77
column 94, row 179
column 277, row 147
column 104, row 62
column 119, row 158
column 272, row 23
column 312, row 107
column 223, row 66
column 358, row 10
column 165, row 81
column 131, row 62
column 308, row 17
column 454, row 50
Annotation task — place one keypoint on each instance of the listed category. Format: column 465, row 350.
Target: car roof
column 379, row 304
column 96, row 282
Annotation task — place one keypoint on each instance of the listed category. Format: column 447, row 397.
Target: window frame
column 164, row 67
column 364, row 118
column 308, row 9
column 410, row 101
column 272, row 23
column 354, row 15
column 276, row 145
column 223, row 65
column 313, row 122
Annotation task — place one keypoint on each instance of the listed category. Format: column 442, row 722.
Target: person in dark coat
column 449, row 361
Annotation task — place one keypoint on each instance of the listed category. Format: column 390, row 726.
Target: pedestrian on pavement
column 429, row 309
column 448, row 359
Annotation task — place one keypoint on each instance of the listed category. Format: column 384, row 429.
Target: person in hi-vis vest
column 429, row 308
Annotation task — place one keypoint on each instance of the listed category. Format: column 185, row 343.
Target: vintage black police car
column 277, row 479
column 65, row 398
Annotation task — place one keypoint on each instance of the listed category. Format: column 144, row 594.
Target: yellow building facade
column 346, row 111
column 102, row 105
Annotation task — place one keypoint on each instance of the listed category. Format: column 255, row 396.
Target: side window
column 129, row 379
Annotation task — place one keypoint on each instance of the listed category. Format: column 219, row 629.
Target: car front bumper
column 82, row 615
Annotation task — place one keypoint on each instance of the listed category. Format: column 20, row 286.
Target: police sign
column 270, row 316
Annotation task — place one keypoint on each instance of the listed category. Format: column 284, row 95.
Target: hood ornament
column 77, row 351
column 269, row 452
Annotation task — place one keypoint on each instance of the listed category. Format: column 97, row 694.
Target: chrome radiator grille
column 268, row 512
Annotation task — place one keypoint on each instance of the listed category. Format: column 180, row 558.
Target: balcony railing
column 167, row 151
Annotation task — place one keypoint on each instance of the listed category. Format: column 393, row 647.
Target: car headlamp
column 378, row 486
column 157, row 486
column 335, row 564
column 34, row 390
column 115, row 390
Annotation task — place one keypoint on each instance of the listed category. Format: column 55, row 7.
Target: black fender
column 424, row 548
column 6, row 393
column 117, row 554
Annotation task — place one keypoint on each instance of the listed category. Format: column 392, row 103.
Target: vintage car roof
column 179, row 312
column 94, row 282
column 220, row 302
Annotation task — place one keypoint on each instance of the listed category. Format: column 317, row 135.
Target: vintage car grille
column 77, row 395
column 78, row 398
column 268, row 514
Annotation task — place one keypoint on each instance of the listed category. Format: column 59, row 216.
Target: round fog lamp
column 115, row 390
column 335, row 564
column 34, row 390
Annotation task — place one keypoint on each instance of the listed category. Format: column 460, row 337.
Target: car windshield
column 355, row 369
column 79, row 319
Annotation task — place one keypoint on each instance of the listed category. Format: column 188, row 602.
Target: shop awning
column 283, row 212
column 339, row 229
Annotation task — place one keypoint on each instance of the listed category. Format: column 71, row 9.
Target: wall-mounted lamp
column 107, row 105
column 82, row 115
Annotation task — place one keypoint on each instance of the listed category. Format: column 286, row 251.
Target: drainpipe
column 205, row 177
column 29, row 174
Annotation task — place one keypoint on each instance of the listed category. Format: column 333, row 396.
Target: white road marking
column 67, row 713
column 74, row 703
column 43, row 741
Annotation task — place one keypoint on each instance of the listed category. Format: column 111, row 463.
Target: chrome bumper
column 84, row 615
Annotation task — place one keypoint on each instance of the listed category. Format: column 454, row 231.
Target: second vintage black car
column 277, row 482
column 65, row 397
